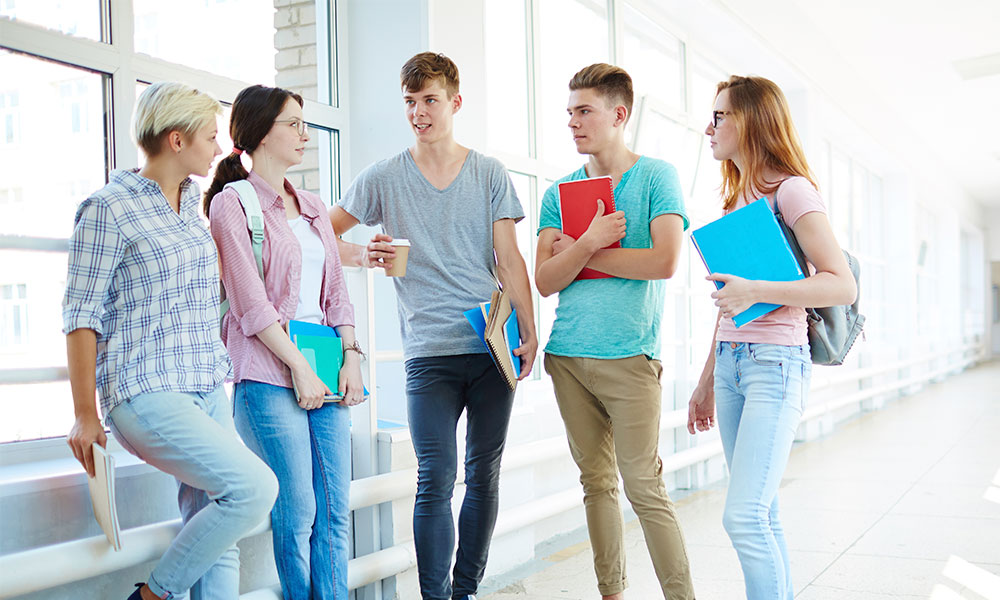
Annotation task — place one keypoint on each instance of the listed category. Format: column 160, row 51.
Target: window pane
column 574, row 34
column 705, row 203
column 507, row 76
column 705, row 76
column 63, row 159
column 839, row 197
column 653, row 58
column 74, row 17
column 30, row 338
column 661, row 137
column 249, row 41
column 49, row 413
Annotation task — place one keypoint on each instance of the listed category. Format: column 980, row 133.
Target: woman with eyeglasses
column 756, row 377
column 302, row 437
column 140, row 315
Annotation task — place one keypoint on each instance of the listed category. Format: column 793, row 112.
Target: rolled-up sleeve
column 338, row 309
column 245, row 290
column 96, row 249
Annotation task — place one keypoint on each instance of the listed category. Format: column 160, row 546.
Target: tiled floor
column 899, row 504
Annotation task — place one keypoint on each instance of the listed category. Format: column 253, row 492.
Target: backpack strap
column 255, row 219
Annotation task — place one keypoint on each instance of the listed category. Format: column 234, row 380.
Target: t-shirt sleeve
column 362, row 199
column 549, row 213
column 666, row 197
column 504, row 203
column 796, row 197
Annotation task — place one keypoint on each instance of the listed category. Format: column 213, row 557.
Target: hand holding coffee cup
column 379, row 253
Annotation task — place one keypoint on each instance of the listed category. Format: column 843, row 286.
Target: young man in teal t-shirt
column 603, row 352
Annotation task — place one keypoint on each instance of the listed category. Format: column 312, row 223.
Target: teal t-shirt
column 613, row 317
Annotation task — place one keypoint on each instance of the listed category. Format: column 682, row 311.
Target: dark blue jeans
column 438, row 389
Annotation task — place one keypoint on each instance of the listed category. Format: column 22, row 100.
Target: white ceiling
column 896, row 67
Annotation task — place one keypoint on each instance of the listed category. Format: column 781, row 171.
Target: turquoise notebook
column 748, row 243
column 323, row 350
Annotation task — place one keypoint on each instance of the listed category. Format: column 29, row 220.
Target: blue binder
column 748, row 243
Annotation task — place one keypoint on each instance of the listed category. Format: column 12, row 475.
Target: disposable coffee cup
column 398, row 268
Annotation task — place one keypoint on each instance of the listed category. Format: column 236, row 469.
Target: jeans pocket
column 769, row 355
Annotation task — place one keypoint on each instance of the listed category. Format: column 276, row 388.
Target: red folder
column 577, row 205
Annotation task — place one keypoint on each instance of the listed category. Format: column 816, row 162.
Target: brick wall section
column 295, row 63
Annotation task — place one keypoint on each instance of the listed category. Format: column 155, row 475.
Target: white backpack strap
column 255, row 219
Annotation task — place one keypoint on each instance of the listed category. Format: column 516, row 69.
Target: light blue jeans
column 310, row 452
column 759, row 393
column 223, row 489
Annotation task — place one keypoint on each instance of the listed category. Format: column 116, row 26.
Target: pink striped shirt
column 255, row 304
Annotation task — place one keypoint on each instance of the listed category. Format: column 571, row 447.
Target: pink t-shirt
column 785, row 326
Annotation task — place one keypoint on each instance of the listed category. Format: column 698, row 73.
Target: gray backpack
column 834, row 329
column 255, row 224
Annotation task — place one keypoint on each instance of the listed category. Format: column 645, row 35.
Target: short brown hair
column 426, row 67
column 612, row 82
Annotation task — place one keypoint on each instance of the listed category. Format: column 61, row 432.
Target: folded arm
column 658, row 262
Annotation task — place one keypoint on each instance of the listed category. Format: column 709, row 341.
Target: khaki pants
column 611, row 409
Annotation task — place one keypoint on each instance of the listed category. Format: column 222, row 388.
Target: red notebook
column 577, row 205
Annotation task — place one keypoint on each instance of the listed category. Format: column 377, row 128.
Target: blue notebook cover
column 305, row 328
column 478, row 321
column 748, row 243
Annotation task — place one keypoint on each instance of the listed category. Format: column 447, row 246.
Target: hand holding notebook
column 577, row 210
column 324, row 351
column 495, row 323
column 747, row 243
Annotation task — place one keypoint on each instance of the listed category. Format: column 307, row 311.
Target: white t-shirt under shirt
column 785, row 326
column 311, row 283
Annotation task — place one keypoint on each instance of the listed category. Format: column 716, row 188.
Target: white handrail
column 85, row 558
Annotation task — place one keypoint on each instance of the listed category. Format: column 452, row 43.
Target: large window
column 574, row 34
column 65, row 109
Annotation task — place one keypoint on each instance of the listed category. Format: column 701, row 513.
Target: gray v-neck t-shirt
column 451, row 267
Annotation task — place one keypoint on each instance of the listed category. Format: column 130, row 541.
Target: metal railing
column 81, row 559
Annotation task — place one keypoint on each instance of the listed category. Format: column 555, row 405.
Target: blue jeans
column 438, row 389
column 759, row 393
column 310, row 452
column 223, row 490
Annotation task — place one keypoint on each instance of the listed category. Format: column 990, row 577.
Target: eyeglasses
column 719, row 115
column 299, row 125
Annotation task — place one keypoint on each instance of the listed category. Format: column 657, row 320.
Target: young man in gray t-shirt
column 457, row 208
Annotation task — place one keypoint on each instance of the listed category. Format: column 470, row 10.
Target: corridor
column 900, row 504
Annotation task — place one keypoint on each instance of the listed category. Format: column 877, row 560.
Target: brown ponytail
column 253, row 115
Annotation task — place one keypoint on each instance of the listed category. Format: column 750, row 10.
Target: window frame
column 114, row 58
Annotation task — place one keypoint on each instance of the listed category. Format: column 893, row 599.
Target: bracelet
column 356, row 347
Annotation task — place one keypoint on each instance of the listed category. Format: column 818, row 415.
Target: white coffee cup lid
column 400, row 242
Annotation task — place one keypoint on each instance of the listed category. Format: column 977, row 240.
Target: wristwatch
column 356, row 347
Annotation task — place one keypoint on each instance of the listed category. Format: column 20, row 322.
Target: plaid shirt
column 146, row 280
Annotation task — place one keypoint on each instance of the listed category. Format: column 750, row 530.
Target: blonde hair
column 611, row 82
column 767, row 138
column 427, row 67
column 168, row 106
